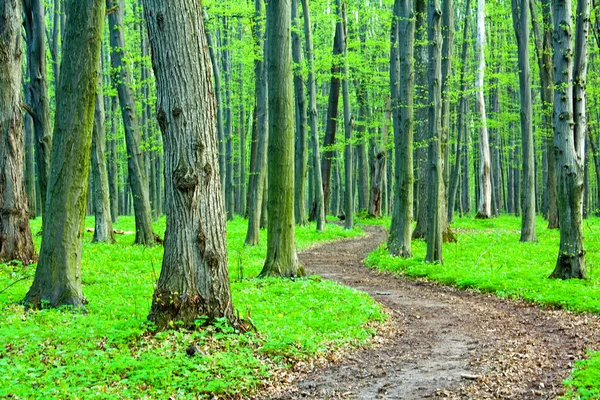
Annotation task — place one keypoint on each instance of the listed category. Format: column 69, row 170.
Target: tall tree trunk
column 332, row 114
column 313, row 121
column 282, row 259
column 30, row 167
column 57, row 279
column 112, row 163
column 569, row 133
column 447, row 52
column 465, row 174
column 103, row 231
column 402, row 87
column 242, row 187
column 301, row 141
column 462, row 125
column 193, row 281
column 35, row 26
column 16, row 242
column 361, row 148
column 257, row 187
column 226, row 59
column 520, row 14
column 435, row 184
column 348, row 125
column 144, row 234
column 484, row 209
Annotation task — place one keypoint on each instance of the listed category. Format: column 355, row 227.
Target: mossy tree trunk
column 193, row 280
column 402, row 85
column 57, row 279
column 282, row 259
column 569, row 133
column 144, row 234
column 16, row 242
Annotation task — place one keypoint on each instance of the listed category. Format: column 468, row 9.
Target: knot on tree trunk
column 185, row 179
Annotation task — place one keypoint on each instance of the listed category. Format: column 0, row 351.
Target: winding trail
column 444, row 342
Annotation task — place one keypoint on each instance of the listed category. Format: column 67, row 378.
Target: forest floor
column 443, row 342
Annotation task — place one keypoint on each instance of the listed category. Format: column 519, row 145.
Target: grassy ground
column 490, row 258
column 108, row 353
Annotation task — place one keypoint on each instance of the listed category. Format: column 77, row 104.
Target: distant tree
column 282, row 259
column 348, row 125
column 16, row 242
column 194, row 281
column 569, row 133
column 57, row 279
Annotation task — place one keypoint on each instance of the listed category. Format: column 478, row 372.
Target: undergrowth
column 109, row 353
column 488, row 257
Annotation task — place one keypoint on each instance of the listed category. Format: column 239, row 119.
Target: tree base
column 448, row 235
column 277, row 270
column 34, row 300
column 570, row 266
column 481, row 215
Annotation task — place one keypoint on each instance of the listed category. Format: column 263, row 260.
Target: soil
column 442, row 342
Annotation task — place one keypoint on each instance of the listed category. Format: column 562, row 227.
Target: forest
column 294, row 199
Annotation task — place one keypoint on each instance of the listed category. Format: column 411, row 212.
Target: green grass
column 489, row 257
column 108, row 353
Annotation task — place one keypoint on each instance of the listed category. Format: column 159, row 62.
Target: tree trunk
column 16, row 242
column 193, row 280
column 103, row 231
column 57, row 279
column 257, row 187
column 282, row 259
column 301, row 141
column 332, row 114
column 402, row 85
column 313, row 122
column 520, row 14
column 484, row 209
column 144, row 234
column 229, row 186
column 35, row 27
column 242, row 187
column 112, row 163
column 435, row 183
column 462, row 124
column 30, row 167
column 569, row 134
column 348, row 125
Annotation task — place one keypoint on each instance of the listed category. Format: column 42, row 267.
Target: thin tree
column 16, row 242
column 402, row 85
column 520, row 14
column 144, row 234
column 435, row 184
column 282, row 259
column 569, row 133
column 484, row 209
column 57, row 279
column 193, row 280
column 348, row 124
column 312, row 120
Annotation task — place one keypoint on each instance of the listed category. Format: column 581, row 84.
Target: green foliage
column 108, row 353
column 488, row 257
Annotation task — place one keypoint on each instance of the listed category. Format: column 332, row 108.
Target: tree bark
column 229, row 186
column 57, row 279
column 144, row 234
column 194, row 281
column 485, row 188
column 16, row 242
column 569, row 134
column 402, row 86
column 257, row 186
column 435, row 218
column 520, row 14
column 313, row 122
column 348, row 125
column 112, row 163
column 282, row 259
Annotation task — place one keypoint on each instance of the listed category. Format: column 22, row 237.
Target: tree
column 16, row 242
column 57, row 279
column 193, row 280
column 569, row 133
column 520, row 14
column 484, row 209
column 103, row 231
column 144, row 234
column 435, row 185
column 402, row 85
column 348, row 124
column 282, row 259
column 312, row 120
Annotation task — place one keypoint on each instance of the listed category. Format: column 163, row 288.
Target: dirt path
column 446, row 343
